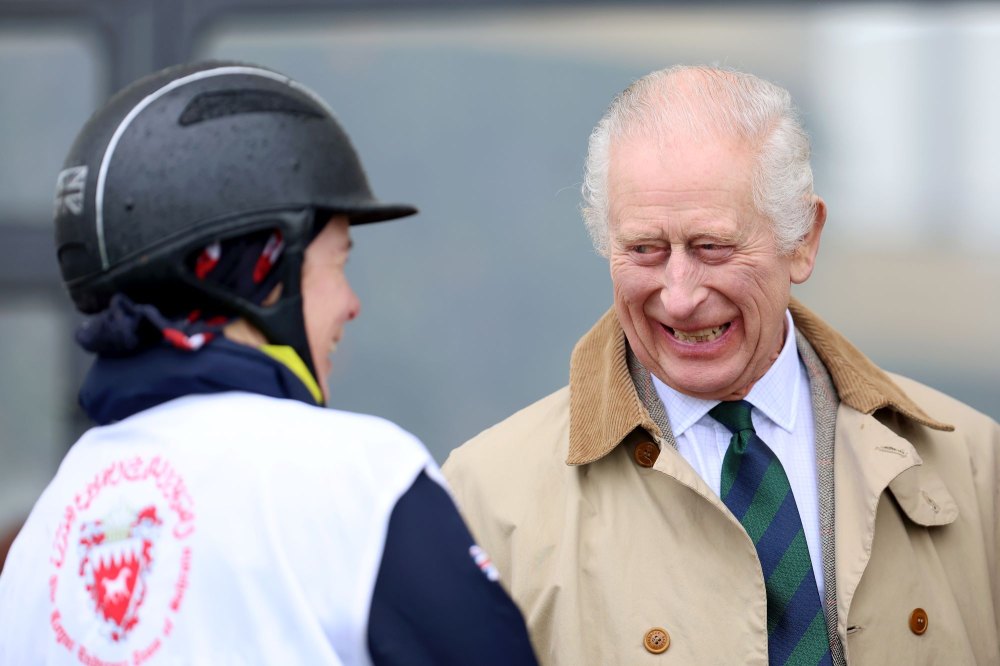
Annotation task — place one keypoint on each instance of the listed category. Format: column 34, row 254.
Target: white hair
column 711, row 102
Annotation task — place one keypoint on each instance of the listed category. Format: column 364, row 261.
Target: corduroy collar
column 605, row 408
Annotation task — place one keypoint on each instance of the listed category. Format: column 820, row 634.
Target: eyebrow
column 631, row 237
column 634, row 238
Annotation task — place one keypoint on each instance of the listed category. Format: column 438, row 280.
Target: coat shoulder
column 966, row 420
column 502, row 469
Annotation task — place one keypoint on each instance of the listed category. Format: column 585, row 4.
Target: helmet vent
column 210, row 105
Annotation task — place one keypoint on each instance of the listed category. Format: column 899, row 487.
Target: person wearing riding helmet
column 218, row 513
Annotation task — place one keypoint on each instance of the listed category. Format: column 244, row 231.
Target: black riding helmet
column 199, row 153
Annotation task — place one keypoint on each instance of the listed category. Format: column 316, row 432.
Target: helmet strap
column 282, row 322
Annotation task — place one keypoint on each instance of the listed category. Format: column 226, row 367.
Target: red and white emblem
column 121, row 562
column 116, row 553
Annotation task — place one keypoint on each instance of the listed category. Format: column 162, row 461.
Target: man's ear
column 804, row 256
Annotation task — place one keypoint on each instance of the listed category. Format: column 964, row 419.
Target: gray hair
column 711, row 101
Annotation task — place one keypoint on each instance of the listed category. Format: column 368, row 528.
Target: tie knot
column 735, row 415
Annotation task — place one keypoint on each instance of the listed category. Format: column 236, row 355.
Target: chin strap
column 283, row 322
column 238, row 275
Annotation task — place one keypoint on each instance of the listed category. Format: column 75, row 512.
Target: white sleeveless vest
column 222, row 529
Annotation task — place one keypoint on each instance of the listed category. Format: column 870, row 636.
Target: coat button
column 645, row 454
column 657, row 640
column 918, row 621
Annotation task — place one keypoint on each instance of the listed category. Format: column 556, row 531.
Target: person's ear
column 804, row 256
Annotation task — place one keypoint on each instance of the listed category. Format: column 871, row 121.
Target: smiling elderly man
column 726, row 480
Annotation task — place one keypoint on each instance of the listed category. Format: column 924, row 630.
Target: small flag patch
column 483, row 561
column 70, row 187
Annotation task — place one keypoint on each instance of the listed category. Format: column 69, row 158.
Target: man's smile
column 700, row 335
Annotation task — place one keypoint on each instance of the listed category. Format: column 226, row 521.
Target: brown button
column 645, row 454
column 918, row 621
column 657, row 640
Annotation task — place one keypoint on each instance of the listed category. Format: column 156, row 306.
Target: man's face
column 700, row 288
column 328, row 301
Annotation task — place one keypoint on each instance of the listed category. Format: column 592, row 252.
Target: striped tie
column 756, row 490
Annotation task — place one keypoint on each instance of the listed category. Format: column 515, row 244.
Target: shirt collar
column 776, row 394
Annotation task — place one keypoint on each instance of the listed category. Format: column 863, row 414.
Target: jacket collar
column 118, row 387
column 605, row 408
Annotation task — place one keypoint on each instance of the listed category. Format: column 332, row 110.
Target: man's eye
column 647, row 253
column 713, row 250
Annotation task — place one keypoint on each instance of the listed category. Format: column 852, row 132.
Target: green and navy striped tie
column 756, row 490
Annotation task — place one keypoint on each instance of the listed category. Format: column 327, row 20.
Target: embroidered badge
column 122, row 557
column 483, row 561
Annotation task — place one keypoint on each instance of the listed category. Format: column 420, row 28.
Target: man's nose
column 683, row 289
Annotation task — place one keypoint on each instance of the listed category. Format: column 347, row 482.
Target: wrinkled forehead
column 652, row 181
column 676, row 158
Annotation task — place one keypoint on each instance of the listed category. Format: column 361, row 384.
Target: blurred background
column 479, row 112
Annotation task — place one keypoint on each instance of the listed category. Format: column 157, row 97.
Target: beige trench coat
column 598, row 549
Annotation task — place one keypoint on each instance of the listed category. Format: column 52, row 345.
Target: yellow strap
column 287, row 356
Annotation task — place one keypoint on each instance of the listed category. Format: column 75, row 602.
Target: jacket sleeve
column 436, row 599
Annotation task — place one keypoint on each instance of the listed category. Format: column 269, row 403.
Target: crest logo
column 70, row 186
column 122, row 555
column 116, row 553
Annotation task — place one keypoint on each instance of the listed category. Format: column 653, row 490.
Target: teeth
column 704, row 335
column 333, row 346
